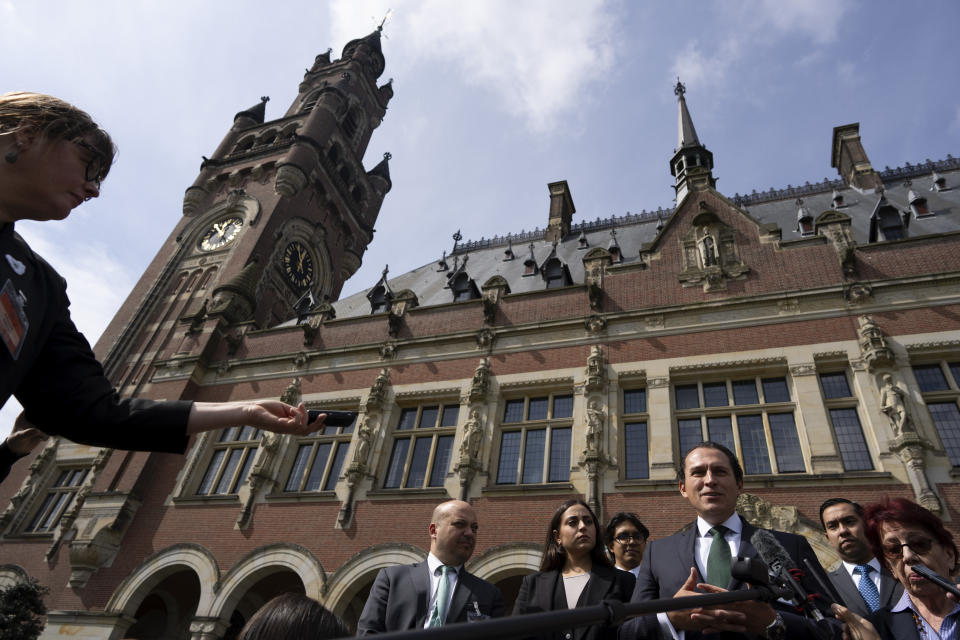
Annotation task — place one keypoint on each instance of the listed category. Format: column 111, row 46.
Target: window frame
column 44, row 503
column 763, row 408
column 949, row 369
column 416, row 433
column 241, row 470
column 839, row 403
column 628, row 418
column 525, row 426
column 339, row 440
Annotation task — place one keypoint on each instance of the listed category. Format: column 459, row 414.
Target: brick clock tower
column 275, row 223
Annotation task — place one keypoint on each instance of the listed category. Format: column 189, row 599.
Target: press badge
column 13, row 319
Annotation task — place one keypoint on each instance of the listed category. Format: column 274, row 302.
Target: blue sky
column 493, row 100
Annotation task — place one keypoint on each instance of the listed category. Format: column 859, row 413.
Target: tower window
column 350, row 124
column 310, row 102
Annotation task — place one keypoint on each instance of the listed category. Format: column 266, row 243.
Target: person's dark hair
column 554, row 554
column 835, row 501
column 905, row 512
column 54, row 119
column 619, row 519
column 293, row 616
column 710, row 444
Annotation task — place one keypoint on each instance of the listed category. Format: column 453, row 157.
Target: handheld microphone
column 780, row 563
column 935, row 578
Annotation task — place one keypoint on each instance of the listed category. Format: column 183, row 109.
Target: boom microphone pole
column 610, row 612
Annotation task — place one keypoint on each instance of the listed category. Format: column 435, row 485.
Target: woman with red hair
column 903, row 535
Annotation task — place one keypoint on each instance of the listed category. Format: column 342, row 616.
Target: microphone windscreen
column 771, row 551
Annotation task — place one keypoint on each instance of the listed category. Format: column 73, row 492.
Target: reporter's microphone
column 935, row 578
column 780, row 563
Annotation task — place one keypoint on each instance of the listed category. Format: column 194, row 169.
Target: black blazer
column 399, row 597
column 543, row 591
column 666, row 566
column 895, row 626
column 890, row 590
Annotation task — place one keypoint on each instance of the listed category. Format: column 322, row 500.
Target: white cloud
column 818, row 20
column 536, row 57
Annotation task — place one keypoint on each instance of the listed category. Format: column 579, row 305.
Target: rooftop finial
column 386, row 16
column 680, row 89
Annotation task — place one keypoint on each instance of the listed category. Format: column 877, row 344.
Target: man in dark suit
column 843, row 522
column 697, row 560
column 437, row 591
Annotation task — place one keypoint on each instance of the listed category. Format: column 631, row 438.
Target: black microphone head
column 750, row 570
column 771, row 551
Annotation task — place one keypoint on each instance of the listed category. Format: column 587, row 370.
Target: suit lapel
column 688, row 552
column 746, row 550
column 420, row 577
column 887, row 585
column 848, row 591
column 460, row 601
column 598, row 586
column 903, row 625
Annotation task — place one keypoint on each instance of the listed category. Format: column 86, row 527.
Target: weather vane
column 386, row 16
column 679, row 89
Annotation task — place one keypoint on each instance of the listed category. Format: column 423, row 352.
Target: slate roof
column 485, row 258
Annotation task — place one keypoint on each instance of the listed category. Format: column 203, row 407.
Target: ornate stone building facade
column 815, row 330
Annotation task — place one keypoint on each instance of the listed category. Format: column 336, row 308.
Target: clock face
column 298, row 265
column 221, row 234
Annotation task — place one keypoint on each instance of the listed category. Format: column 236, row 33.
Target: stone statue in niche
column 472, row 434
column 595, row 362
column 892, row 403
column 708, row 250
column 364, row 438
column 594, row 434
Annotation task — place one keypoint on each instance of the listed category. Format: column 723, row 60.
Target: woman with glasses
column 53, row 158
column 574, row 572
column 904, row 535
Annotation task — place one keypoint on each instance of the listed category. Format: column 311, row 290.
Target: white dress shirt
column 701, row 551
column 874, row 575
column 434, row 564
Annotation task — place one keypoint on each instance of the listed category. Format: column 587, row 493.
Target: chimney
column 851, row 161
column 561, row 211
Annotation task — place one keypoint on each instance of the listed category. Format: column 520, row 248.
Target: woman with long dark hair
column 574, row 572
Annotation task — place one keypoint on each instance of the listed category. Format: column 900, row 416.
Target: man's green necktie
column 718, row 560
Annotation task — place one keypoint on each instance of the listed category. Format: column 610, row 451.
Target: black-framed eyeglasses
column 920, row 546
column 95, row 166
column 627, row 538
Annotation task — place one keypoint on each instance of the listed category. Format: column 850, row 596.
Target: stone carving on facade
column 761, row 513
column 790, row 305
column 378, row 391
column 196, row 320
column 100, row 527
column 38, row 469
column 492, row 293
column 300, row 360
column 858, row 293
column 292, row 394
column 485, row 339
column 594, row 431
column 469, row 463
column 67, row 520
column 358, row 468
column 388, row 351
column 894, row 406
column 656, row 321
column 658, row 383
column 835, row 226
column 480, row 385
column 290, row 180
column 193, row 197
column 595, row 263
column 803, row 369
column 873, row 345
column 472, row 435
column 596, row 370
column 595, row 323
column 710, row 255
column 910, row 448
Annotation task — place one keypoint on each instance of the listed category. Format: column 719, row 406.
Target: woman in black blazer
column 574, row 572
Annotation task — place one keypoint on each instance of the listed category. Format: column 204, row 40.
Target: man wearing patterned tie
column 696, row 560
column 843, row 522
column 437, row 591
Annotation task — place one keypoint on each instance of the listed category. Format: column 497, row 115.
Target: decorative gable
column 710, row 254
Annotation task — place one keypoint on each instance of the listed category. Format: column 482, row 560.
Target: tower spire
column 692, row 163
column 686, row 134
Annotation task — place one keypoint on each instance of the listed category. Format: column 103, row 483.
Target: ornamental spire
column 686, row 134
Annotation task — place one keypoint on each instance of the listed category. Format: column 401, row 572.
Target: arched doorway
column 261, row 592
column 166, row 611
